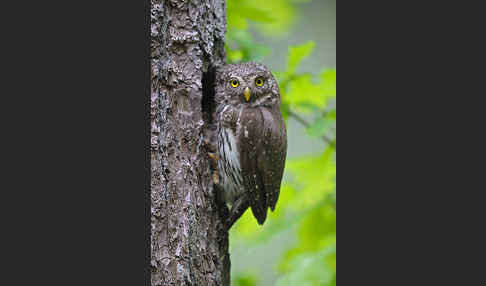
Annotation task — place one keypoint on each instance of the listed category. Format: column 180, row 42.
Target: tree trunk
column 188, row 243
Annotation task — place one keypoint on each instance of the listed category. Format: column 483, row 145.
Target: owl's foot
column 213, row 161
column 215, row 178
column 209, row 145
column 213, row 157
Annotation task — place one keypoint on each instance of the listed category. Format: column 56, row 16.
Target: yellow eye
column 259, row 82
column 234, row 83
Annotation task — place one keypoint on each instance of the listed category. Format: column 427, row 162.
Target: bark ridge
column 188, row 243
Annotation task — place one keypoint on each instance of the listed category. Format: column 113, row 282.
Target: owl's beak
column 247, row 93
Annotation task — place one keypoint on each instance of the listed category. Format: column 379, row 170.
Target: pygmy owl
column 251, row 139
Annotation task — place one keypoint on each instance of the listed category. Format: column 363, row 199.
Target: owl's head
column 247, row 83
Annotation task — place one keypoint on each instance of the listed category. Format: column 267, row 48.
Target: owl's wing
column 250, row 134
column 263, row 147
column 271, row 161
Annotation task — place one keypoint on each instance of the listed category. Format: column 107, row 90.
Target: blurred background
column 296, row 39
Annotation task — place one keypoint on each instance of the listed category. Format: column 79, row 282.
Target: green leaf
column 313, row 177
column 297, row 54
column 317, row 242
column 304, row 95
column 256, row 14
column 233, row 56
column 332, row 114
column 311, row 268
column 244, row 279
column 242, row 48
column 328, row 82
column 271, row 17
column 236, row 21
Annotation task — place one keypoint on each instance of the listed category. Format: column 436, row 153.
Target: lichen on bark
column 188, row 243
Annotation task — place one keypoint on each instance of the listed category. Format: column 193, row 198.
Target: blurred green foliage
column 307, row 201
column 244, row 279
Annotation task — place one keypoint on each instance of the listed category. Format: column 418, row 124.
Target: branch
column 306, row 124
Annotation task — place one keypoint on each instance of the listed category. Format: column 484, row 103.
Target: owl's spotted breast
column 229, row 165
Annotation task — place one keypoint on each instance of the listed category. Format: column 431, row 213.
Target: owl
column 251, row 139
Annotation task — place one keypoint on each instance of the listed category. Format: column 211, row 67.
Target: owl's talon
column 214, row 165
column 209, row 145
column 213, row 156
column 215, row 178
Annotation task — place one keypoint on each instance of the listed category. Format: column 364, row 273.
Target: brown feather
column 250, row 133
column 272, row 161
column 261, row 145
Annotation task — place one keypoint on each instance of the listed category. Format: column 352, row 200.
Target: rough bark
column 189, row 245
